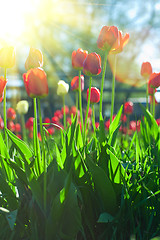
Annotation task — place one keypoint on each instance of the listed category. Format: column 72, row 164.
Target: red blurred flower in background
column 58, row 113
column 75, row 83
column 55, row 120
column 92, row 64
column 78, row 58
column 29, row 124
column 47, row 120
column 146, row 69
column 1, row 123
column 34, row 60
column 2, row 86
column 17, row 128
column 35, row 81
column 95, row 95
column 66, row 110
column 128, row 108
column 7, row 57
column 11, row 114
column 11, row 126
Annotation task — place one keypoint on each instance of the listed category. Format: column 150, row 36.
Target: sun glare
column 12, row 18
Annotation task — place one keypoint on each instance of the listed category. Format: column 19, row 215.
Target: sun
column 12, row 19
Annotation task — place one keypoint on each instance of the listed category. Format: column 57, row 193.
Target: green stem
column 113, row 89
column 88, row 103
column 23, row 128
column 4, row 109
column 35, row 139
column 80, row 102
column 153, row 107
column 64, row 114
column 93, row 119
column 77, row 101
column 43, row 155
column 102, row 83
column 147, row 96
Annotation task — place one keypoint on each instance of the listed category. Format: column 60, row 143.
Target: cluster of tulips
column 111, row 41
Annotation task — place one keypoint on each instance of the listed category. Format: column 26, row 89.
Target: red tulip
column 154, row 80
column 73, row 110
column 11, row 114
column 66, row 110
column 75, row 83
column 11, row 126
column 17, row 128
column 47, row 120
column 29, row 123
column 78, row 58
column 146, row 69
column 35, row 81
column 92, row 64
column 58, row 114
column 95, row 95
column 2, row 86
column 55, row 120
column 34, row 60
column 7, row 57
column 50, row 131
column 128, row 108
column 97, row 124
column 123, row 118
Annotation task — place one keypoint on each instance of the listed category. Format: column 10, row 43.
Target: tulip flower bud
column 92, row 64
column 17, row 128
column 11, row 126
column 11, row 114
column 75, row 83
column 95, row 95
column 2, row 86
column 154, row 80
column 146, row 69
column 35, row 81
column 7, row 57
column 128, row 108
column 22, row 107
column 34, row 60
column 78, row 58
column 29, row 123
column 63, row 88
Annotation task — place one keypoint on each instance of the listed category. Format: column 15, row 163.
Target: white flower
column 22, row 107
column 63, row 88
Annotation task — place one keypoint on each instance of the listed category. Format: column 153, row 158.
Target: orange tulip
column 35, row 81
column 78, row 58
column 95, row 95
column 75, row 83
column 146, row 69
column 2, row 86
column 7, row 57
column 34, row 60
column 110, row 39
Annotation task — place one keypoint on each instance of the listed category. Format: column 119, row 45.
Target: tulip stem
column 64, row 114
column 80, row 103
column 93, row 119
column 113, row 89
column 88, row 103
column 102, row 83
column 4, row 109
column 77, row 101
column 35, row 137
column 146, row 96
column 153, row 107
column 43, row 154
column 23, row 127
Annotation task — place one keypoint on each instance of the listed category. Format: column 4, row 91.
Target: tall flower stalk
column 64, row 113
column 43, row 155
column 80, row 102
column 87, row 110
column 113, row 89
column 102, row 82
column 4, row 109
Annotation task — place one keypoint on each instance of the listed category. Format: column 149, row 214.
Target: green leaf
column 21, row 146
column 3, row 148
column 116, row 121
column 105, row 218
column 116, row 170
column 102, row 136
column 103, row 187
column 11, row 218
column 59, row 158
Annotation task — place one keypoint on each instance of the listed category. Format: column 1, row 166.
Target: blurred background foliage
column 57, row 27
